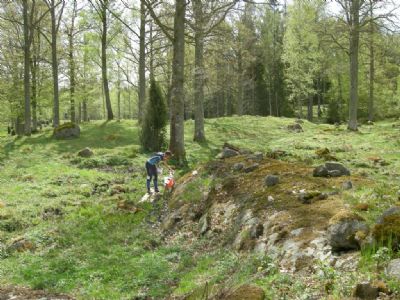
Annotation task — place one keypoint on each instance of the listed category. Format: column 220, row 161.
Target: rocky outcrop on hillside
column 252, row 203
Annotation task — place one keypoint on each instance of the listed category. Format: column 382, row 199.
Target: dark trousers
column 151, row 173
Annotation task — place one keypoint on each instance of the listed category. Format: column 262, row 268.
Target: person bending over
column 151, row 167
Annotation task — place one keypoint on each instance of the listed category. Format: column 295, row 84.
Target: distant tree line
column 106, row 59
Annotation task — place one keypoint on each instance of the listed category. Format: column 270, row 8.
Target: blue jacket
column 156, row 158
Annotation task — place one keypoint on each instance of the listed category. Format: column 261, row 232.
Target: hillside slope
column 75, row 225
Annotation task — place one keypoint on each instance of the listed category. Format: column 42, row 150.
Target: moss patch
column 345, row 215
column 68, row 125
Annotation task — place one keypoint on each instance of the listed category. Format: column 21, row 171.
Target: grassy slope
column 97, row 251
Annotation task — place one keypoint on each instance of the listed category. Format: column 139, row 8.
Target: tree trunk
column 129, row 104
column 142, row 60
column 85, row 62
column 84, row 110
column 34, row 92
column 19, row 126
column 199, row 135
column 177, row 145
column 151, row 40
column 319, row 91
column 310, row 108
column 354, row 42
column 54, row 66
column 119, row 95
column 371, row 69
column 35, row 71
column 240, row 85
column 104, row 7
column 71, row 75
column 27, row 83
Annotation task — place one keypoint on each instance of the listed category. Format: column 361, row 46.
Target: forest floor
column 73, row 225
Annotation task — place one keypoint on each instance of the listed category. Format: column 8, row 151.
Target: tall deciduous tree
column 207, row 16
column 301, row 52
column 142, row 59
column 27, row 54
column 177, row 144
column 71, row 33
column 102, row 7
column 358, row 14
column 55, row 15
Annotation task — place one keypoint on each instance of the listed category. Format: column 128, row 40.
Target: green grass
column 95, row 251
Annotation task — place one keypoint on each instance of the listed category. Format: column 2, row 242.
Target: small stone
column 204, row 224
column 307, row 197
column 347, row 185
column 322, row 196
column 85, row 153
column 393, row 269
column 237, row 167
column 271, row 180
column 295, row 127
column 21, row 244
column 270, row 198
column 331, row 169
column 258, row 156
column 256, row 231
column 366, row 291
column 335, row 166
column 251, row 168
column 227, row 153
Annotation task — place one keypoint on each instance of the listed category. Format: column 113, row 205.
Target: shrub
column 333, row 115
column 152, row 135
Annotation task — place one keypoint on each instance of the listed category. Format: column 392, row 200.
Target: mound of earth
column 234, row 207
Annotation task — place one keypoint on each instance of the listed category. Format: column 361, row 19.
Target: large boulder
column 331, row 169
column 393, row 269
column 347, row 231
column 67, row 131
column 245, row 292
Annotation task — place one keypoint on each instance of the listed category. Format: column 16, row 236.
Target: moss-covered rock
column 345, row 215
column 67, row 130
column 347, row 231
